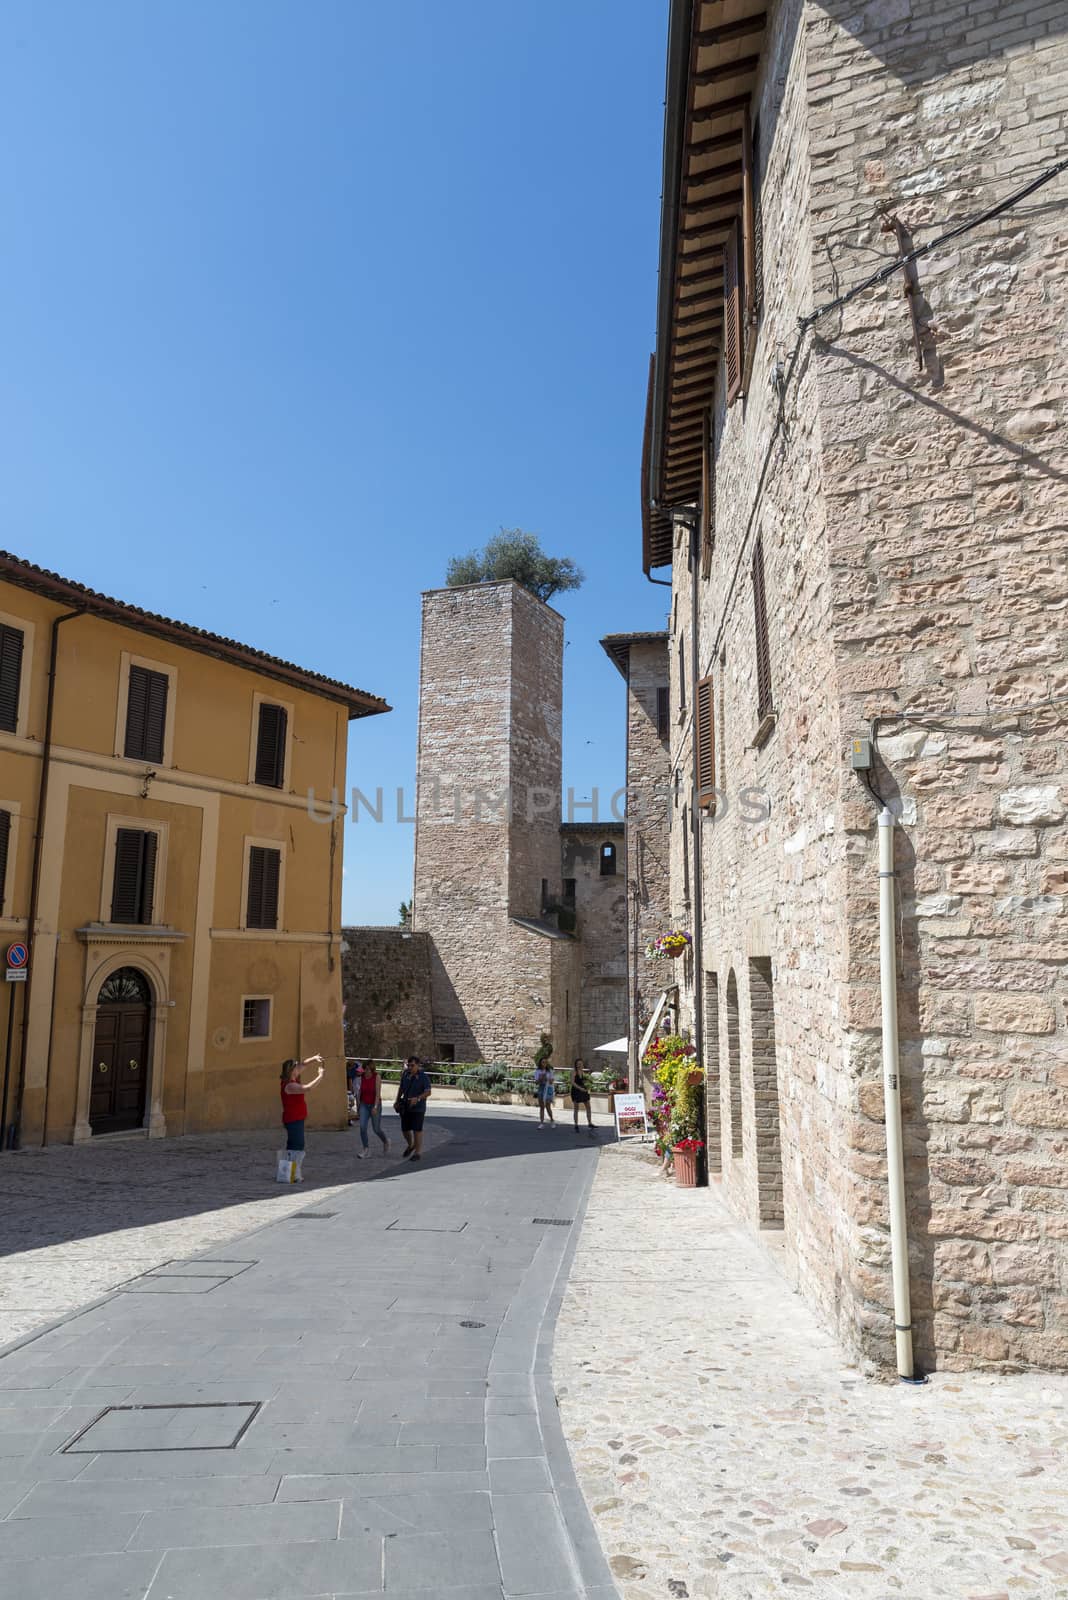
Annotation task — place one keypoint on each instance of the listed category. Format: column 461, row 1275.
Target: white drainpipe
column 895, row 1160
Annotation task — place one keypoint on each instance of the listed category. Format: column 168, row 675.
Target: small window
column 663, row 713
column 544, row 893
column 264, row 872
column 133, row 886
column 446, row 1052
column 271, row 745
column 763, row 647
column 5, row 840
column 569, row 891
column 682, row 675
column 146, row 715
column 608, row 861
column 256, row 1018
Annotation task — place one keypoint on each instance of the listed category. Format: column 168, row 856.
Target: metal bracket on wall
column 893, row 224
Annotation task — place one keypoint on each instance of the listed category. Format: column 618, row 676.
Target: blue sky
column 300, row 299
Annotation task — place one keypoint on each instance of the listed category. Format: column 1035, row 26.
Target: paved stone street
column 352, row 1398
column 728, row 1451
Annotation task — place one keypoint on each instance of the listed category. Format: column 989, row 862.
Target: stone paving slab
column 727, row 1449
column 352, row 1406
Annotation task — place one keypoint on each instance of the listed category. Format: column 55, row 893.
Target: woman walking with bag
column 295, row 1110
column 369, row 1099
column 413, row 1092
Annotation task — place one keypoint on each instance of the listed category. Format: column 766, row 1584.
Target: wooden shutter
column 732, row 313
column 134, row 883
column 11, row 641
column 264, row 871
column 760, row 619
column 271, row 746
column 708, row 497
column 704, row 737
column 5, row 838
column 146, row 714
column 748, row 230
column 663, row 713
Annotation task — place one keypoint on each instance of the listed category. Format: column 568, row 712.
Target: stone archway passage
column 121, row 1053
column 734, row 1065
column 765, row 1094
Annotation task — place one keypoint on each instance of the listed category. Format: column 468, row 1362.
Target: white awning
column 616, row 1047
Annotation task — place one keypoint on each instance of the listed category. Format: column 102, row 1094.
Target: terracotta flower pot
column 686, row 1168
column 695, row 1077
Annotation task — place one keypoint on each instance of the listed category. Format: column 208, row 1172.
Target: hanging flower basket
column 685, row 1154
column 669, row 946
column 695, row 1078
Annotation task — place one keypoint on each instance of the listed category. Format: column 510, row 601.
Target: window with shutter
column 271, row 745
column 663, row 713
column 758, row 221
column 146, row 715
column 134, row 883
column 5, row 840
column 708, row 498
column 732, row 313
column 751, row 304
column 704, row 738
column 11, row 643
column 763, row 649
column 264, row 873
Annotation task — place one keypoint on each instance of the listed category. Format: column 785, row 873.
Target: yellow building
column 179, row 895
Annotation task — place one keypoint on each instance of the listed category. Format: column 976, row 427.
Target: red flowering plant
column 692, row 1145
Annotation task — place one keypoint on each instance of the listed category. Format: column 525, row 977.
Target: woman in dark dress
column 580, row 1095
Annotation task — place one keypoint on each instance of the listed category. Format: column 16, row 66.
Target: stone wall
column 489, row 734
column 385, row 981
column 914, row 533
column 601, row 910
column 948, row 530
column 648, row 807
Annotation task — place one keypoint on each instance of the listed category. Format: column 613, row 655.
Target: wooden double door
column 119, row 1089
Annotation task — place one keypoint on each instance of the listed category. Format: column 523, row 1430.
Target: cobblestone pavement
column 351, row 1399
column 726, row 1448
column 78, row 1220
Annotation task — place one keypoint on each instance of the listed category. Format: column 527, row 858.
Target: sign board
column 18, row 955
column 16, row 974
column 630, row 1115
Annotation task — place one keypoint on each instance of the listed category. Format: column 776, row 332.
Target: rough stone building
column 863, row 502
column 522, row 918
column 642, row 659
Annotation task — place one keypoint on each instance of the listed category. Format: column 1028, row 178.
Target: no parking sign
column 18, row 957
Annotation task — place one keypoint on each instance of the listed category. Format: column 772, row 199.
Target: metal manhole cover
column 471, row 1324
column 215, row 1425
column 554, row 1222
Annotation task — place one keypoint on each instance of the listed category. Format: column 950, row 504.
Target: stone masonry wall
column 600, row 1001
column 648, row 810
column 948, row 526
column 489, row 726
column 773, row 881
column 385, row 985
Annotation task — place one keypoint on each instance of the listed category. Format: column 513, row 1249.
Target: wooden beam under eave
column 721, row 108
column 742, row 68
column 695, row 180
column 709, row 37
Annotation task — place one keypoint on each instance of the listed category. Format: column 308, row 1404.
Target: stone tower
column 487, row 842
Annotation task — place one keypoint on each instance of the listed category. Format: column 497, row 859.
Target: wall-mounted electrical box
column 860, row 755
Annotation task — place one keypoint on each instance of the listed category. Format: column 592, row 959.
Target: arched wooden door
column 121, row 1046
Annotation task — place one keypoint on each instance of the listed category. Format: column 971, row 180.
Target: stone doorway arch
column 101, row 968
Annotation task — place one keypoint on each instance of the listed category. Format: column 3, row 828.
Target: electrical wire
column 1044, row 177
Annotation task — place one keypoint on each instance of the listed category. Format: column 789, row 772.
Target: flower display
column 666, row 946
column 675, row 1099
column 690, row 1145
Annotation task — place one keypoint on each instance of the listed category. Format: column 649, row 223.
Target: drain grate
column 471, row 1324
column 553, row 1222
column 311, row 1216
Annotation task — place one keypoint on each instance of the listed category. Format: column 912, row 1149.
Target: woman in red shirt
column 295, row 1108
column 369, row 1099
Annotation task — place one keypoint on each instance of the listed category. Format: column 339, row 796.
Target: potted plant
column 668, row 946
column 686, row 1153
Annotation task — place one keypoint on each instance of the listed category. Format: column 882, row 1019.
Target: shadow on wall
column 914, row 42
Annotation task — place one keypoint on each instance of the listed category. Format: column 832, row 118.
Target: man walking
column 413, row 1093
